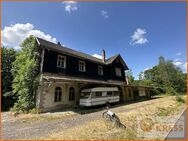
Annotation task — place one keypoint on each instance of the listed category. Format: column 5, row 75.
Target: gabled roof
column 60, row 48
column 113, row 58
column 56, row 47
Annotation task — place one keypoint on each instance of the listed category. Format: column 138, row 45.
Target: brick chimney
column 59, row 43
column 103, row 55
column 126, row 80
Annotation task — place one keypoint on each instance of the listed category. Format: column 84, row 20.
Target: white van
column 99, row 96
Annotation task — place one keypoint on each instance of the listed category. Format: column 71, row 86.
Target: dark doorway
column 120, row 94
column 136, row 94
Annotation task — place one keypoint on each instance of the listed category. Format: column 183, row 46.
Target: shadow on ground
column 86, row 110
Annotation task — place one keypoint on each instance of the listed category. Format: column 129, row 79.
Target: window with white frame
column 118, row 71
column 61, row 61
column 82, row 66
column 100, row 70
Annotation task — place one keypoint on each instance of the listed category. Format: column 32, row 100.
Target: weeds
column 164, row 111
column 35, row 111
column 180, row 99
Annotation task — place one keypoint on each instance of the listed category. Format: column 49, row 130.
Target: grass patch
column 164, row 111
column 104, row 130
column 170, row 109
column 31, row 118
column 96, row 130
column 129, row 135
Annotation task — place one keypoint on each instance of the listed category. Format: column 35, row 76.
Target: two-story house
column 65, row 72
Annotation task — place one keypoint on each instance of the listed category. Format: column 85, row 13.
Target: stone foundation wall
column 45, row 98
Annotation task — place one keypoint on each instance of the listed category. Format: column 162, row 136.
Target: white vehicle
column 99, row 96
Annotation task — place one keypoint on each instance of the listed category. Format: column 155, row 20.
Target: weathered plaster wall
column 47, row 96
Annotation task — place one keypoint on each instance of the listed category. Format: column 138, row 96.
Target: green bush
column 35, row 111
column 180, row 99
column 170, row 91
column 157, row 91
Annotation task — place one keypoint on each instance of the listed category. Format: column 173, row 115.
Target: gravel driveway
column 14, row 129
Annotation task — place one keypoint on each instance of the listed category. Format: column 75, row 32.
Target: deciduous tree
column 25, row 71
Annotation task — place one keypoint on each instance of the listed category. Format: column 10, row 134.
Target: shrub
column 170, row 91
column 180, row 99
column 35, row 111
column 157, row 91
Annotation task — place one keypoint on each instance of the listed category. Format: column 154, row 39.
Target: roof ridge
column 56, row 47
column 69, row 49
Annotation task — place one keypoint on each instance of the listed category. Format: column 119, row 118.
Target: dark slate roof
column 56, row 47
column 111, row 59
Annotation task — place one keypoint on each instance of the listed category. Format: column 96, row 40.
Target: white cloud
column 97, row 56
column 13, row 35
column 147, row 69
column 179, row 54
column 181, row 64
column 105, row 14
column 70, row 6
column 185, row 67
column 178, row 63
column 139, row 37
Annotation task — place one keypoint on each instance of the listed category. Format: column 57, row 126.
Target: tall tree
column 167, row 76
column 8, row 57
column 25, row 71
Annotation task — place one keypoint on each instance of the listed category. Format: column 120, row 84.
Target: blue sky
column 139, row 31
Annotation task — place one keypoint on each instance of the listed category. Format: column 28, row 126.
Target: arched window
column 71, row 94
column 58, row 93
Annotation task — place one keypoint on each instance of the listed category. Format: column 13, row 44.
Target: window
column 71, row 94
column 118, row 71
column 142, row 93
column 82, row 66
column 85, row 95
column 98, row 94
column 61, row 61
column 116, row 93
column 58, row 94
column 100, row 70
column 109, row 93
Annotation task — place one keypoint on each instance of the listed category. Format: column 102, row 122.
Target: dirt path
column 15, row 129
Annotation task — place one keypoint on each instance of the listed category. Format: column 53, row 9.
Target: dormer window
column 118, row 72
column 82, row 66
column 61, row 61
column 100, row 70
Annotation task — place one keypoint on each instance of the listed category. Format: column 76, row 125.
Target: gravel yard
column 38, row 126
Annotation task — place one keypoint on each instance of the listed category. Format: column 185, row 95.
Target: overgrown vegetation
column 164, row 77
column 180, row 99
column 165, row 111
column 8, row 98
column 101, row 129
column 25, row 75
